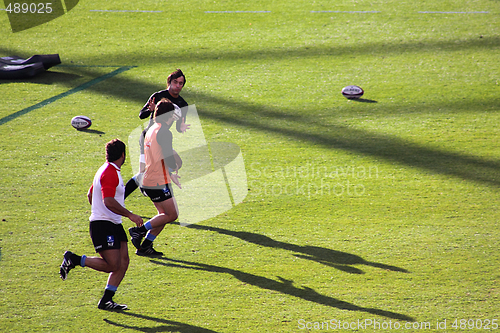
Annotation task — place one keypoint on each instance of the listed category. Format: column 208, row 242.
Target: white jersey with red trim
column 108, row 182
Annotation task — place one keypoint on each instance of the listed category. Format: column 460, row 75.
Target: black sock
column 76, row 259
column 130, row 187
column 108, row 296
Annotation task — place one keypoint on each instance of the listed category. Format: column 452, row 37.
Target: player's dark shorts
column 107, row 235
column 159, row 194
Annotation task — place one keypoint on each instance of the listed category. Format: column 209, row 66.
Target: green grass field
column 382, row 211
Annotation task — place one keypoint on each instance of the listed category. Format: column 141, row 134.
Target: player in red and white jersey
column 107, row 183
column 106, row 195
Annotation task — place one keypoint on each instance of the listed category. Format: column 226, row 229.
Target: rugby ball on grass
column 81, row 122
column 352, row 92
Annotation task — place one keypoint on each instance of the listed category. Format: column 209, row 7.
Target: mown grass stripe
column 64, row 94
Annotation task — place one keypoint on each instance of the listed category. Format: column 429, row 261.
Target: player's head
column 175, row 75
column 175, row 82
column 114, row 150
column 163, row 110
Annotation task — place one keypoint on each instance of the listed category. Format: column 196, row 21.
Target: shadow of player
column 168, row 325
column 281, row 285
column 340, row 260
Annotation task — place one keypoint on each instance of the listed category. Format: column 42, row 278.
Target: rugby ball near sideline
column 81, row 122
column 352, row 92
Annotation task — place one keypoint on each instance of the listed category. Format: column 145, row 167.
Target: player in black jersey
column 175, row 82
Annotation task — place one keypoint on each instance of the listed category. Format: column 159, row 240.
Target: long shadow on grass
column 300, row 126
column 283, row 286
column 272, row 53
column 169, row 325
column 364, row 142
column 289, row 124
column 340, row 260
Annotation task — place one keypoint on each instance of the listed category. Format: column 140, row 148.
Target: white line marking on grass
column 127, row 11
column 453, row 12
column 348, row 12
column 66, row 93
column 237, row 11
column 268, row 11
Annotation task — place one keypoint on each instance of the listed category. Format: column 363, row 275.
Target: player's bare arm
column 116, row 208
column 89, row 194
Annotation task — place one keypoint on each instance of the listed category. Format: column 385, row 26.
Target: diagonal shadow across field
column 334, row 136
column 283, row 286
column 379, row 145
column 368, row 143
column 340, row 260
column 342, row 137
column 335, row 48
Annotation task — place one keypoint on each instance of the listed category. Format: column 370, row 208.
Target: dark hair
column 175, row 75
column 114, row 150
column 162, row 107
